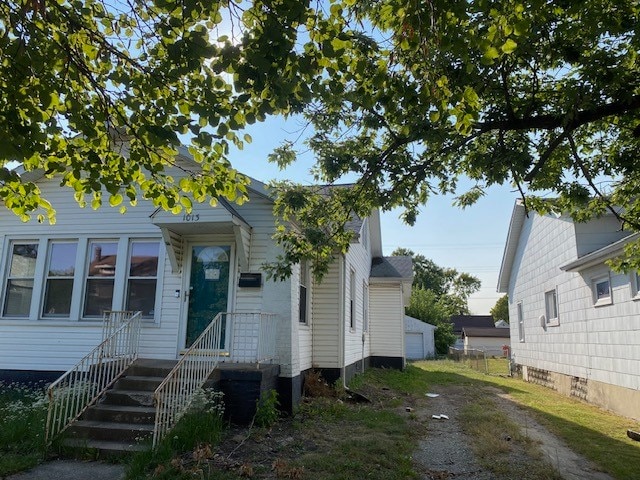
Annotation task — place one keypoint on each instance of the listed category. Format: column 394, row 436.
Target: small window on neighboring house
column 303, row 309
column 520, row 321
column 60, row 272
column 352, row 300
column 602, row 291
column 365, row 307
column 142, row 277
column 635, row 285
column 551, row 307
column 101, row 270
column 21, row 273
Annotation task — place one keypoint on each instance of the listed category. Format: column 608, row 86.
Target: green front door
column 208, row 288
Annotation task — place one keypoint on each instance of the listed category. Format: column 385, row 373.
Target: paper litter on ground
column 432, row 395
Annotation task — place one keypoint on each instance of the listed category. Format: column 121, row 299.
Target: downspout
column 342, row 318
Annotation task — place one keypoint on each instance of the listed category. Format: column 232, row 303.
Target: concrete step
column 110, row 431
column 138, row 382
column 138, row 398
column 151, row 368
column 105, row 448
column 121, row 414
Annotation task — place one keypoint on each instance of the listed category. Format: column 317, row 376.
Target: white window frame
column 608, row 300
column 305, row 284
column 46, row 277
column 128, row 276
column 635, row 285
column 520, row 315
column 551, row 319
column 352, row 300
column 8, row 257
column 365, row 307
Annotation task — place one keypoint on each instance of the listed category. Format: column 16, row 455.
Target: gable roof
column 486, row 332
column 511, row 246
column 461, row 322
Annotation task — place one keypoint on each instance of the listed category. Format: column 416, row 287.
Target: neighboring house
column 461, row 321
column 180, row 271
column 489, row 340
column 501, row 324
column 575, row 323
column 419, row 339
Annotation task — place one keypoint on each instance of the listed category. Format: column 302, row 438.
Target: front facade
column 575, row 324
column 180, row 271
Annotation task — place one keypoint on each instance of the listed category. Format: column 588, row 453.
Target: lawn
column 598, row 435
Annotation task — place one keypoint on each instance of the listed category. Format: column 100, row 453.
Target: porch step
column 105, row 448
column 121, row 413
column 138, row 398
column 138, row 382
column 111, row 431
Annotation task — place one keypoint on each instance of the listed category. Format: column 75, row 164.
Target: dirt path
column 446, row 451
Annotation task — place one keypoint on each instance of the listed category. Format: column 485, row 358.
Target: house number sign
column 191, row 217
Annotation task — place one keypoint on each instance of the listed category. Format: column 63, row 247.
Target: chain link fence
column 486, row 361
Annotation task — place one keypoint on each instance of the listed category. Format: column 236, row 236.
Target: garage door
column 414, row 345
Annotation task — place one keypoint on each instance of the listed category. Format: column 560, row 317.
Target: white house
column 419, row 339
column 180, row 270
column 492, row 341
column 575, row 324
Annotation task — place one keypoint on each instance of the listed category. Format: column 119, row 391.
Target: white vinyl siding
column 386, row 320
column 326, row 321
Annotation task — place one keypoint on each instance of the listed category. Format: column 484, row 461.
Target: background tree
column 436, row 294
column 500, row 310
column 542, row 95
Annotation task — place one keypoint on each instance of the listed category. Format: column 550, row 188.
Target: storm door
column 208, row 288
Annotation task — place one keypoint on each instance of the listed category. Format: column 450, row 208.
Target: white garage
column 418, row 339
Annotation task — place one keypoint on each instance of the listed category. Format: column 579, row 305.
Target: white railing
column 83, row 384
column 253, row 337
column 236, row 337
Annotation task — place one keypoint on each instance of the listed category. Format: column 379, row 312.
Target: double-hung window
column 21, row 273
column 142, row 277
column 352, row 300
column 304, row 293
column 551, row 307
column 100, row 277
column 59, row 276
column 520, row 321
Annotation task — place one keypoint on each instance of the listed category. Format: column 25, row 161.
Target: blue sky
column 470, row 240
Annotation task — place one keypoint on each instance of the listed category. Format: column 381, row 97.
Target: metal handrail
column 249, row 337
column 173, row 395
column 80, row 387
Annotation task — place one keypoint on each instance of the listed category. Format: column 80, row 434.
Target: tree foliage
column 438, row 293
column 544, row 96
column 500, row 311
column 408, row 96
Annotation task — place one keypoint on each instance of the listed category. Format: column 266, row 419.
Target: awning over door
column 203, row 219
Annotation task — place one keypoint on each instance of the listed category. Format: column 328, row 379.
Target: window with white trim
column 20, row 277
column 551, row 307
column 520, row 321
column 602, row 291
column 635, row 285
column 100, row 277
column 352, row 300
column 303, row 306
column 142, row 277
column 59, row 278
column 365, row 306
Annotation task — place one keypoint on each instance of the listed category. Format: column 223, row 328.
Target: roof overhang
column 599, row 256
column 513, row 237
column 203, row 220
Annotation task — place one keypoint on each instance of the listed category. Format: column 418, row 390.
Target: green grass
column 598, row 435
column 23, row 412
column 355, row 441
column 177, row 455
